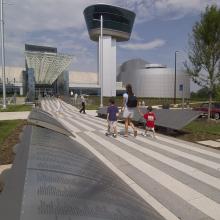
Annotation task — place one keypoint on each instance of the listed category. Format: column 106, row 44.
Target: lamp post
column 101, row 60
column 3, row 58
column 174, row 97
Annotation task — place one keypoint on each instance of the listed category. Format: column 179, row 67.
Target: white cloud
column 60, row 23
column 144, row 46
column 165, row 9
column 34, row 15
column 135, row 36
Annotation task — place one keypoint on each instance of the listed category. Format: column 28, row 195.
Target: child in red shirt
column 150, row 119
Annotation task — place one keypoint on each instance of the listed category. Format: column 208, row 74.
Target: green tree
column 217, row 93
column 204, row 51
column 201, row 94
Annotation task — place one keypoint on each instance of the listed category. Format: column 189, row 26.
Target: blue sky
column 161, row 27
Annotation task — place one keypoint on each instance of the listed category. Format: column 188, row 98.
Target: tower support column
column 108, row 66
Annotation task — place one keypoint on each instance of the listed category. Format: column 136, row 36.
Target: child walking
column 112, row 115
column 150, row 121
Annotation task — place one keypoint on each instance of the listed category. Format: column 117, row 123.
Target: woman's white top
column 125, row 96
column 128, row 112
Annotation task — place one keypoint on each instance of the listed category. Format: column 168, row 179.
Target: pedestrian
column 129, row 106
column 112, row 117
column 75, row 98
column 150, row 121
column 58, row 105
column 83, row 103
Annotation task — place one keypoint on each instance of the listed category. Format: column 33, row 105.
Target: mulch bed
column 6, row 152
column 198, row 137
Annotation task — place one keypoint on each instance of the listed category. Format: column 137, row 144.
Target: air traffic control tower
column 117, row 27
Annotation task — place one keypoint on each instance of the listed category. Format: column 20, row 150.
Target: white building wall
column 14, row 76
column 109, row 66
column 83, row 77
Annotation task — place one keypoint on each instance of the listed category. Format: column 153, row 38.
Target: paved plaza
column 179, row 179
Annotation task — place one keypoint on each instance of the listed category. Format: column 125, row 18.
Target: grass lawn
column 92, row 107
column 9, row 136
column 93, row 102
column 202, row 126
column 201, row 129
column 17, row 108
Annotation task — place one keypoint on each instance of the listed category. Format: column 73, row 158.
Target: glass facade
column 62, row 84
column 30, row 85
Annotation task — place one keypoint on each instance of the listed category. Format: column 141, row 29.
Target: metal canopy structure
column 47, row 66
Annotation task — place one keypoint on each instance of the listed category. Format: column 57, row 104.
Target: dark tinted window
column 29, row 47
column 111, row 17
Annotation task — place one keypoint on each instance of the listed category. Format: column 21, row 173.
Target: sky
column 161, row 27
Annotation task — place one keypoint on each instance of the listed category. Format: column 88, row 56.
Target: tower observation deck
column 117, row 26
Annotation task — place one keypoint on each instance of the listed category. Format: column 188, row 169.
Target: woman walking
column 129, row 106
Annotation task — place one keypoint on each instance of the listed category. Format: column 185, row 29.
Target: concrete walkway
column 179, row 179
column 91, row 112
column 13, row 115
column 211, row 143
column 4, row 167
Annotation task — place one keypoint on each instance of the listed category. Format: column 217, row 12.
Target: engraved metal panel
column 65, row 181
column 61, row 180
column 174, row 119
column 169, row 118
column 44, row 119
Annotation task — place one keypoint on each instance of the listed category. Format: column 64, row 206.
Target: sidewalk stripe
column 197, row 159
column 89, row 117
column 191, row 196
column 69, row 126
column 82, row 125
column 186, row 146
column 52, row 105
column 171, row 201
column 163, row 211
column 191, row 171
column 88, row 122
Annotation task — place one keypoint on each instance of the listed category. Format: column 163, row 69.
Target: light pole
column 174, row 97
column 3, row 58
column 101, row 60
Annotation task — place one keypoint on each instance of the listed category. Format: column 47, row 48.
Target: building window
column 111, row 17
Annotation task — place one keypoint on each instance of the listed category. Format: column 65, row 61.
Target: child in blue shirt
column 112, row 115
